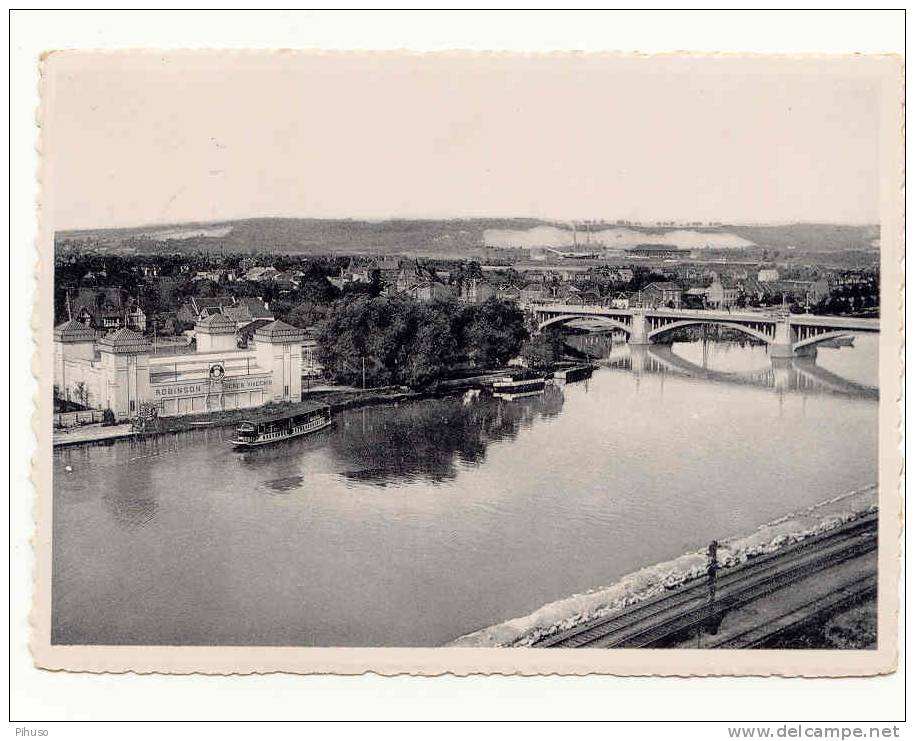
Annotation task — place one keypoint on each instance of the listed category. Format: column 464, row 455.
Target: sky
column 144, row 138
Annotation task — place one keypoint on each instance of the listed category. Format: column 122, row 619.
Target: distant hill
column 308, row 236
column 454, row 237
column 812, row 237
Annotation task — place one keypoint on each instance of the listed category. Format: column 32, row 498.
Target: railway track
column 679, row 611
column 847, row 594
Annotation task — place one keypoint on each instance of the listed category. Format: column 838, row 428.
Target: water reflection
column 284, row 484
column 746, row 363
column 426, row 440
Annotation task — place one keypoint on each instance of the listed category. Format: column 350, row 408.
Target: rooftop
column 74, row 331
column 279, row 331
column 125, row 340
column 662, row 286
column 215, row 323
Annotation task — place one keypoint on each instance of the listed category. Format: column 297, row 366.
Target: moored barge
column 575, row 373
column 521, row 385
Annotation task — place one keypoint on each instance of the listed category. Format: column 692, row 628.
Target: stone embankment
column 656, row 580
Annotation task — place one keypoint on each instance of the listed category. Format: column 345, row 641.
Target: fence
column 74, row 419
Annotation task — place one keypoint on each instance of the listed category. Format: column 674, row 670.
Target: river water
column 411, row 525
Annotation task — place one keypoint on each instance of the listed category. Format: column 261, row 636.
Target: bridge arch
column 563, row 318
column 696, row 322
column 816, row 339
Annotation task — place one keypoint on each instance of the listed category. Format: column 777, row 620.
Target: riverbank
column 88, row 434
column 655, row 580
column 338, row 398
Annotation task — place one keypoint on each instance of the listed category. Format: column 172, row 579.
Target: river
column 411, row 525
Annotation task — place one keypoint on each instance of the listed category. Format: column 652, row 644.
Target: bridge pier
column 638, row 334
column 783, row 343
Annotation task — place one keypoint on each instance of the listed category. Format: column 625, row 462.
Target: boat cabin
column 282, row 426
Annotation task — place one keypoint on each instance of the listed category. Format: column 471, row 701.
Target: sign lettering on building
column 199, row 388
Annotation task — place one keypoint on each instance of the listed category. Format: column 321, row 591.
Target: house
column 248, row 309
column 508, row 293
column 285, row 282
column 767, row 275
column 197, row 307
column 476, row 291
column 722, row 293
column 410, row 274
column 694, row 298
column 803, row 291
column 388, row 268
column 213, row 275
column 260, row 274
column 661, row 293
column 105, row 308
column 591, row 297
column 532, row 293
column 429, row 290
column 359, row 270
column 421, row 283
column 754, row 289
column 620, row 300
column 136, row 318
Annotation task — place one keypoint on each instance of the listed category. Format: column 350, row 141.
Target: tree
column 307, row 314
column 433, row 347
column 207, row 289
column 542, row 351
column 81, row 392
column 493, row 332
column 404, row 341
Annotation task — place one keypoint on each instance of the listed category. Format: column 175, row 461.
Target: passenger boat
column 518, row 385
column 252, row 433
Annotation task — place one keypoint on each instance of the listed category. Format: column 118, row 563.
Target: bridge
column 787, row 335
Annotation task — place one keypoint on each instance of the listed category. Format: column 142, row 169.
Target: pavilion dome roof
column 74, row 331
column 124, row 340
column 279, row 331
column 215, row 323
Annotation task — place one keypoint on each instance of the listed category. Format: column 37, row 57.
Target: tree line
column 398, row 340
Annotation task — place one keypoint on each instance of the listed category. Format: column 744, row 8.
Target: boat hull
column 511, row 396
column 244, row 444
column 519, row 387
column 576, row 373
